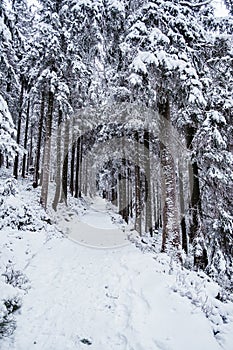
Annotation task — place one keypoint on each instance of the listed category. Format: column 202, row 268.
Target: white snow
column 116, row 5
column 7, row 131
column 115, row 298
column 95, row 228
column 138, row 65
column 156, row 35
column 135, row 79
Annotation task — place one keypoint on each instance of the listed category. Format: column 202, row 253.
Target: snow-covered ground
column 79, row 296
column 96, row 228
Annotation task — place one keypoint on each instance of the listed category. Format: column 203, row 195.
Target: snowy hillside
column 71, row 296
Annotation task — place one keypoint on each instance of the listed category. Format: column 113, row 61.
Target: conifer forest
column 115, row 115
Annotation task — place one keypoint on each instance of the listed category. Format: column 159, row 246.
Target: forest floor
column 79, row 294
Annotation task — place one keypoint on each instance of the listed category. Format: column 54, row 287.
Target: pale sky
column 220, row 8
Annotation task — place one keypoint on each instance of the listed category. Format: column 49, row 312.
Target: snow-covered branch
column 203, row 3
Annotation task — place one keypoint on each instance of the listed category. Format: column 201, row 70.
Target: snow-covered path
column 108, row 298
column 105, row 299
column 96, row 228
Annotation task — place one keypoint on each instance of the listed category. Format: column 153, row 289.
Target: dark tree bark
column 16, row 163
column 156, row 207
column 65, row 162
column 123, row 208
column 1, row 160
column 130, row 194
column 85, row 185
column 26, row 139
column 77, row 175
column 30, row 153
column 195, row 203
column 195, row 188
column 39, row 140
column 195, row 206
column 122, row 186
column 47, row 151
column 138, row 222
column 147, row 168
column 182, row 213
column 72, row 162
column 58, row 170
column 171, row 234
column 113, row 187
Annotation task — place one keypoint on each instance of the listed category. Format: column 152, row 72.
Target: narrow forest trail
column 96, row 228
column 103, row 299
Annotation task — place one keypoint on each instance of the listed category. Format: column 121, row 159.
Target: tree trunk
column 113, row 187
column 122, row 192
column 87, row 178
column 39, row 140
column 72, row 162
column 148, row 212
column 77, row 175
column 47, row 150
column 1, row 159
column 138, row 220
column 65, row 162
column 195, row 209
column 196, row 238
column 130, row 195
column 123, row 188
column 16, row 163
column 182, row 209
column 195, row 204
column 30, row 156
column 26, row 139
column 81, row 168
column 171, row 234
column 58, row 169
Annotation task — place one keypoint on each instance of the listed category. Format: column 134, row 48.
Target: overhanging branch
column 195, row 5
